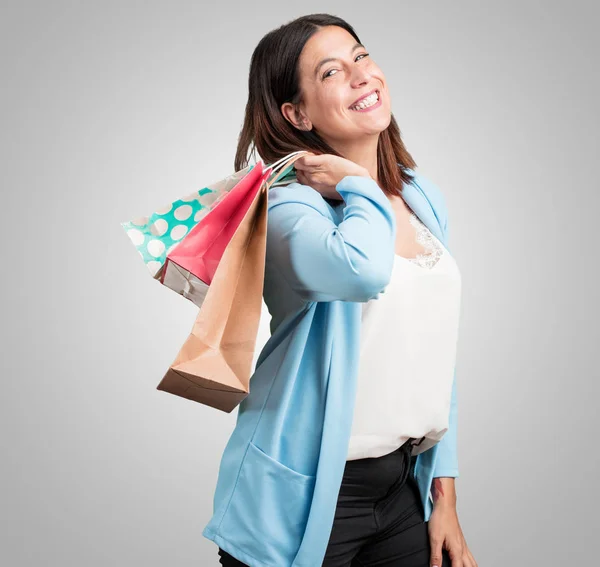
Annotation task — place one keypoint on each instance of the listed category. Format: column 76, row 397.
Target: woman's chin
column 374, row 123
column 376, row 127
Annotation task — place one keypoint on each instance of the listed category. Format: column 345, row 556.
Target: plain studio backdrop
column 112, row 109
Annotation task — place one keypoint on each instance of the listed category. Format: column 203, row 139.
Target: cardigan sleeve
column 447, row 457
column 322, row 260
column 446, row 463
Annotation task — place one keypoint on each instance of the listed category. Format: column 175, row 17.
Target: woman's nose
column 360, row 77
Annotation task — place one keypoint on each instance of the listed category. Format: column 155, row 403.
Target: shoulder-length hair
column 274, row 79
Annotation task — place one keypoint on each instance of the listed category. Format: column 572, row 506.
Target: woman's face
column 331, row 87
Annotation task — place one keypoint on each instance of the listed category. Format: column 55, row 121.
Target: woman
column 351, row 417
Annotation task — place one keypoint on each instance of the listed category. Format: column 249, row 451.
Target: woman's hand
column 445, row 532
column 323, row 172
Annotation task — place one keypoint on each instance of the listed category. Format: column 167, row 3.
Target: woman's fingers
column 307, row 161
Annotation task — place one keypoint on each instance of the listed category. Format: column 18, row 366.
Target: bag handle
column 282, row 165
column 280, row 161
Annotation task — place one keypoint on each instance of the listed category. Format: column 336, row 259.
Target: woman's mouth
column 369, row 103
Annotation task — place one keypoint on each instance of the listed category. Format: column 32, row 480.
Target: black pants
column 379, row 519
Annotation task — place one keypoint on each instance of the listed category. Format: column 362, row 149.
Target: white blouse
column 409, row 337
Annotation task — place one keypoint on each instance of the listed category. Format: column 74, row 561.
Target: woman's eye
column 328, row 75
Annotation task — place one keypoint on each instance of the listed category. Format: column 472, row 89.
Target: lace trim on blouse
column 428, row 259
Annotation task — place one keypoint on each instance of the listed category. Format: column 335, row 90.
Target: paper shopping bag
column 156, row 235
column 213, row 367
column 195, row 259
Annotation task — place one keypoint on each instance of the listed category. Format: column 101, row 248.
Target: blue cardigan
column 282, row 467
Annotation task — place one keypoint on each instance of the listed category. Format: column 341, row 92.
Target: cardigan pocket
column 269, row 508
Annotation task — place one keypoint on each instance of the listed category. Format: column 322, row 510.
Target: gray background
column 111, row 109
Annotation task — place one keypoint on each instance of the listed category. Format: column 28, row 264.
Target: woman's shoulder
column 432, row 192
column 431, row 189
column 298, row 193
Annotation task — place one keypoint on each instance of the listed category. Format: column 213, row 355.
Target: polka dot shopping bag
column 217, row 261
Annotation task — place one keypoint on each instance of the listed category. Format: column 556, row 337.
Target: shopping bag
column 214, row 365
column 155, row 236
column 190, row 266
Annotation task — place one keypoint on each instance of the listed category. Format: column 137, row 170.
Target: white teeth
column 365, row 103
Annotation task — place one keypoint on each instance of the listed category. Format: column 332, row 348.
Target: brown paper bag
column 214, row 364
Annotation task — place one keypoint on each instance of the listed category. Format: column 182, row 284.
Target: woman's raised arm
column 325, row 261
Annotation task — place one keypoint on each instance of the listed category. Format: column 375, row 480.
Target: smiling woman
column 349, row 82
column 349, row 418
column 306, row 79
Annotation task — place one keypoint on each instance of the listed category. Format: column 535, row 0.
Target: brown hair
column 274, row 79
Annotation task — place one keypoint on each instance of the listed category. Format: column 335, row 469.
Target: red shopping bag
column 202, row 249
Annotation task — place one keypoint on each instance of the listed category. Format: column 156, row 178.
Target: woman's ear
column 295, row 116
